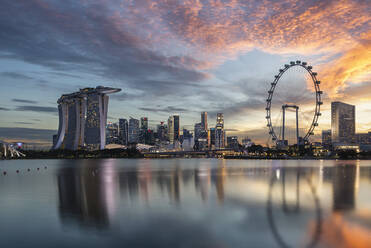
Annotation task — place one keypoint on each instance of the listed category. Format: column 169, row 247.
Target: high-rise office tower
column 220, row 119
column 343, row 123
column 205, row 127
column 133, row 130
column 161, row 132
column 124, row 131
column 204, row 120
column 212, row 137
column 174, row 128
column 219, row 137
column 170, row 124
column 83, row 119
column 326, row 138
column 187, row 141
column 143, row 134
column 232, row 142
column 197, row 131
column 144, row 123
column 219, row 132
column 112, row 133
column 201, row 137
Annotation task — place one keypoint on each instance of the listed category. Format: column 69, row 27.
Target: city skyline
column 183, row 58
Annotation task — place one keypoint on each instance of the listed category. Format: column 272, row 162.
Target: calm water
column 185, row 203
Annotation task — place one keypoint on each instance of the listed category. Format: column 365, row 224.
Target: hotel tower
column 83, row 118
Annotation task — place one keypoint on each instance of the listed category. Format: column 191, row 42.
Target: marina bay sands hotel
column 83, row 118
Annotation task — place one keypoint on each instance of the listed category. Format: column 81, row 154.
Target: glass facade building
column 124, row 131
column 343, row 122
column 174, row 128
column 134, row 130
column 219, row 132
column 326, row 138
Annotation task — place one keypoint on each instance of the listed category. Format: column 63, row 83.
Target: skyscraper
column 326, row 138
column 220, row 119
column 201, row 137
column 83, row 118
column 124, row 131
column 170, row 124
column 198, row 131
column 342, row 122
column 143, row 133
column 205, row 128
column 219, row 132
column 133, row 130
column 161, row 132
column 232, row 142
column 144, row 123
column 174, row 129
column 204, row 120
column 112, row 133
column 212, row 138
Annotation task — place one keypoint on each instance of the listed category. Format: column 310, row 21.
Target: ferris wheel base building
column 83, row 119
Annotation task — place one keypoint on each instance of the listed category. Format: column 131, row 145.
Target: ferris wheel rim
column 317, row 111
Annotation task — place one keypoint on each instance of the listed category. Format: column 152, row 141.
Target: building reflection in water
column 219, row 180
column 86, row 194
column 344, row 186
column 347, row 226
column 91, row 190
column 202, row 182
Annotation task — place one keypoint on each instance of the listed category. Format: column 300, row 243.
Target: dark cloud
column 36, row 109
column 169, row 109
column 89, row 39
column 23, row 100
column 4, row 109
column 125, row 96
column 26, row 133
column 168, row 88
column 16, row 75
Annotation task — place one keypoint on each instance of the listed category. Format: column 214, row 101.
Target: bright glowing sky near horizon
column 178, row 57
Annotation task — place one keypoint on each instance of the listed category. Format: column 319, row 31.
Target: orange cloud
column 221, row 30
column 354, row 63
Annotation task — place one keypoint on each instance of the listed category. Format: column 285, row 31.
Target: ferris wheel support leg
column 297, row 126
column 283, row 123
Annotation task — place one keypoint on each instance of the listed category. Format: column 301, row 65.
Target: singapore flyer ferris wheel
column 284, row 98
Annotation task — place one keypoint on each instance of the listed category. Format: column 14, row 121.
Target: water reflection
column 86, row 193
column 346, row 227
column 305, row 206
column 344, row 186
column 295, row 208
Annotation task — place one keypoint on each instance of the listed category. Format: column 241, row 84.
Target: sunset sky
column 178, row 57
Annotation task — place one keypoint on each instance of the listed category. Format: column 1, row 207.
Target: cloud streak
column 23, row 101
column 169, row 109
column 39, row 109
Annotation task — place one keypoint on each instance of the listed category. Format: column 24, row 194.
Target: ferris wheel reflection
column 292, row 209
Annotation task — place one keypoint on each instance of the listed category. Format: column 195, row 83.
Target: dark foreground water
column 185, row 203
